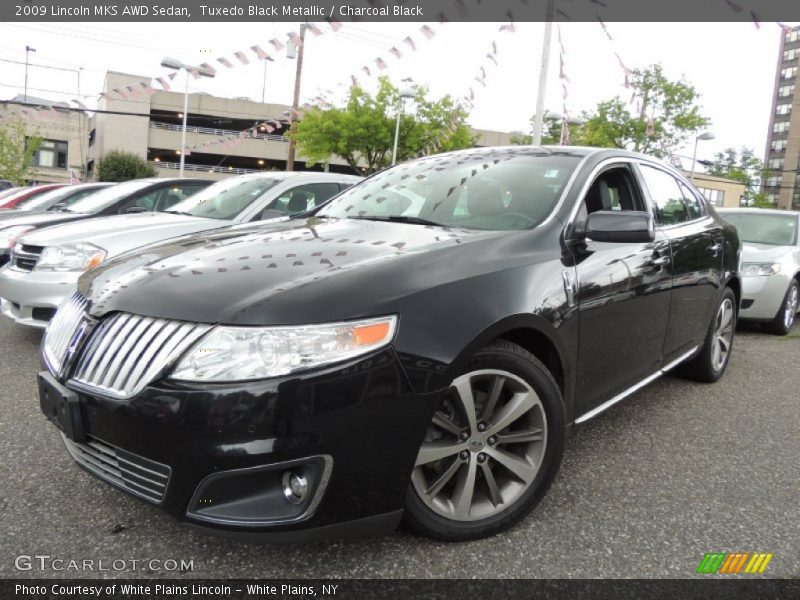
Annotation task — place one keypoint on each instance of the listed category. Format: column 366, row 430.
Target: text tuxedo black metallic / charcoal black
column 419, row 346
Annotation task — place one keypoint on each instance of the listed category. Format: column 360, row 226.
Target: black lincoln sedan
column 417, row 348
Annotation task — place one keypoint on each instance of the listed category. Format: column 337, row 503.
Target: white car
column 770, row 265
column 45, row 265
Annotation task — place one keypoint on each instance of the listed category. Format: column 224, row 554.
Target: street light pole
column 540, row 94
column 404, row 93
column 703, row 136
column 296, row 100
column 28, row 51
column 172, row 63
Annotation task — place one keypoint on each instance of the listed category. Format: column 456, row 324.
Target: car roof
column 544, row 150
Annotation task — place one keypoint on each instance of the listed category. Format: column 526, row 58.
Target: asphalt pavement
column 645, row 490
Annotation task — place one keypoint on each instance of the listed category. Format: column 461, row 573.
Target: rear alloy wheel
column 492, row 449
column 784, row 319
column 710, row 363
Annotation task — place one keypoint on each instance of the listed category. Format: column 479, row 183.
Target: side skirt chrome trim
column 622, row 395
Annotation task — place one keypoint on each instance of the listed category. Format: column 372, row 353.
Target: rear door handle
column 715, row 248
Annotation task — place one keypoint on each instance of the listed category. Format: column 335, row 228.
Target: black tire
column 779, row 325
column 701, row 367
column 504, row 356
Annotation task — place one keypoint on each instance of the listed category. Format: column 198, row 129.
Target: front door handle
column 715, row 248
column 659, row 261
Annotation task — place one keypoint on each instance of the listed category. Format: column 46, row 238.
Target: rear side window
column 693, row 204
column 671, row 208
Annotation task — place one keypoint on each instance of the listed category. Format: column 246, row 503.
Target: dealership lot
column 646, row 489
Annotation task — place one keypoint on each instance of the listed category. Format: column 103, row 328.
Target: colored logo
column 728, row 563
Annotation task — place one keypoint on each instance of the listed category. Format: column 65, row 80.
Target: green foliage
column 123, row 166
column 362, row 132
column 742, row 166
column 667, row 118
column 760, row 200
column 16, row 152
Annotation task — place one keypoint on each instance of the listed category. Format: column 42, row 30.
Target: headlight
column 70, row 257
column 763, row 269
column 10, row 235
column 242, row 353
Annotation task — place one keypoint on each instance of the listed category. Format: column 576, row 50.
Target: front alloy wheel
column 492, row 447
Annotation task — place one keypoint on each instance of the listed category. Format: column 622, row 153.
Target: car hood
column 42, row 219
column 12, row 213
column 766, row 252
column 119, row 233
column 292, row 271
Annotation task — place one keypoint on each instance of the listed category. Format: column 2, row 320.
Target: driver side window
column 612, row 190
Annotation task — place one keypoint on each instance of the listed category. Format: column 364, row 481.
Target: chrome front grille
column 126, row 352
column 24, row 257
column 62, row 329
column 138, row 475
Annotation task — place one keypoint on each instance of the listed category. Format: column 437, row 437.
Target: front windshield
column 503, row 189
column 67, row 195
column 766, row 228
column 108, row 196
column 226, row 199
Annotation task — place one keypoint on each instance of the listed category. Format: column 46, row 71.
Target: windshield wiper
column 401, row 219
column 184, row 213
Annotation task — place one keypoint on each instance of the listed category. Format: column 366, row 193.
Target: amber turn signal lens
column 367, row 335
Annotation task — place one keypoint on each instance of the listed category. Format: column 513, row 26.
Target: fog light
column 295, row 487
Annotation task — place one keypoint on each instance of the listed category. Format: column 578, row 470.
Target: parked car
column 5, row 184
column 46, row 264
column 325, row 374
column 7, row 192
column 770, row 265
column 140, row 195
column 52, row 200
column 22, row 194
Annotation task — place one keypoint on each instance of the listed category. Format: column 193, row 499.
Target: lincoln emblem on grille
column 81, row 332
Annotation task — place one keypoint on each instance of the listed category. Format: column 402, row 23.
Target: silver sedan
column 770, row 265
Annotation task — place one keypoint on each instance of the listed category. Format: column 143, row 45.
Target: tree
column 551, row 133
column 362, row 132
column 742, row 166
column 668, row 116
column 123, row 166
column 16, row 152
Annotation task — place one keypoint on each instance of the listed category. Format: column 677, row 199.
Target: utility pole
column 28, row 51
column 538, row 124
column 296, row 101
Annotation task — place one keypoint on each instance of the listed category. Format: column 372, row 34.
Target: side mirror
column 620, row 226
column 136, row 209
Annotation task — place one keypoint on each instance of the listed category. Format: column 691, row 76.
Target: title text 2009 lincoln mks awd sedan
column 417, row 348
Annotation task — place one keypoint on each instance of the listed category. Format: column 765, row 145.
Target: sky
column 732, row 65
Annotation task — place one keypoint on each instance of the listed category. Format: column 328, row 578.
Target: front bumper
column 362, row 417
column 31, row 297
column 762, row 297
